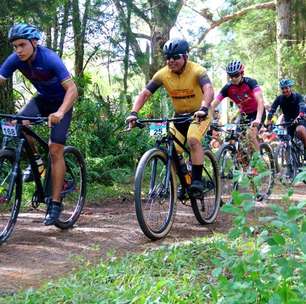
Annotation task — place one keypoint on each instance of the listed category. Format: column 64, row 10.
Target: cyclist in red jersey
column 247, row 95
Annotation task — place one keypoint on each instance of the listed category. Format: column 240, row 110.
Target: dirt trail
column 35, row 253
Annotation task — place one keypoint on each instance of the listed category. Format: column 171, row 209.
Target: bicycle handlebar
column 174, row 119
column 35, row 120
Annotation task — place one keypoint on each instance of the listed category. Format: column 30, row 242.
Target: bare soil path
column 35, row 254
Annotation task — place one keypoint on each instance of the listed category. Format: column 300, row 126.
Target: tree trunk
column 283, row 22
column 6, row 91
column 78, row 48
column 48, row 37
column 55, row 33
column 162, row 17
column 127, row 51
column 64, row 27
column 79, row 28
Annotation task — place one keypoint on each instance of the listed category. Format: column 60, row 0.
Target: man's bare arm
column 208, row 95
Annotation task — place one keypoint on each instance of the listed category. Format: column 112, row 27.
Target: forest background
column 113, row 48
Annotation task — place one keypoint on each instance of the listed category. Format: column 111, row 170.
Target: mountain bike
column 156, row 181
column 237, row 165
column 289, row 153
column 14, row 152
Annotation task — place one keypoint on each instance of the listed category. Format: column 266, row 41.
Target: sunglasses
column 285, row 89
column 234, row 76
column 174, row 57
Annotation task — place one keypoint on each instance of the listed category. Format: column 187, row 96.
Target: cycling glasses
column 234, row 75
column 284, row 89
column 174, row 57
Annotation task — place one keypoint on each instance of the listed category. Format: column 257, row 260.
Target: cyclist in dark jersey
column 293, row 108
column 247, row 95
column 56, row 94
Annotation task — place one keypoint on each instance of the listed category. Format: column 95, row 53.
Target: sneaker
column 53, row 213
column 196, row 189
column 27, row 175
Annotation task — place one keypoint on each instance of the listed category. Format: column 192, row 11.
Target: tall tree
column 6, row 91
column 79, row 28
column 284, row 21
column 159, row 16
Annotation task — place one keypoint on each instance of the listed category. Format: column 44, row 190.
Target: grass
column 138, row 278
column 99, row 192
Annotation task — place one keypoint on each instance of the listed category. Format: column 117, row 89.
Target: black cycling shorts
column 248, row 118
column 38, row 106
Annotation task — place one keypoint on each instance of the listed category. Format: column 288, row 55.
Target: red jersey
column 243, row 94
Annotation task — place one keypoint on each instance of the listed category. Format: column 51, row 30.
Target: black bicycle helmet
column 23, row 31
column 234, row 67
column 176, row 46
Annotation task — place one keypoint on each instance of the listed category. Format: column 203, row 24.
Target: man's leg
column 252, row 138
column 301, row 134
column 58, row 169
column 56, row 149
column 195, row 134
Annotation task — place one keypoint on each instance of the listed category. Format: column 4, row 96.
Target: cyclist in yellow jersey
column 191, row 92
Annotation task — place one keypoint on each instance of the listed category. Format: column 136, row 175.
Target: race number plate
column 9, row 130
column 281, row 131
column 158, row 129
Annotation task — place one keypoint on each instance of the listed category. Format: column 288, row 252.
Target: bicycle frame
column 169, row 139
column 43, row 188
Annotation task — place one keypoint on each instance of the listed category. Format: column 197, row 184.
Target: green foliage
column 262, row 263
column 98, row 131
column 252, row 40
column 295, row 59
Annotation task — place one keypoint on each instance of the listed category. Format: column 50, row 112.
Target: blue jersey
column 45, row 72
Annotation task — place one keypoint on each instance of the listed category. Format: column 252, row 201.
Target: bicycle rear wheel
column 206, row 208
column 227, row 159
column 10, row 194
column 155, row 201
column 74, row 188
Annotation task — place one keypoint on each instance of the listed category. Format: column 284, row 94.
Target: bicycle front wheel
column 285, row 163
column 10, row 194
column 74, row 188
column 266, row 170
column 155, row 197
column 206, row 208
column 227, row 159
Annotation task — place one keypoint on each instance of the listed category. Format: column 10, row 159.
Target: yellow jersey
column 184, row 89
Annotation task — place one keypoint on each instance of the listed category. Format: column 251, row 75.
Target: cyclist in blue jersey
column 56, row 94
